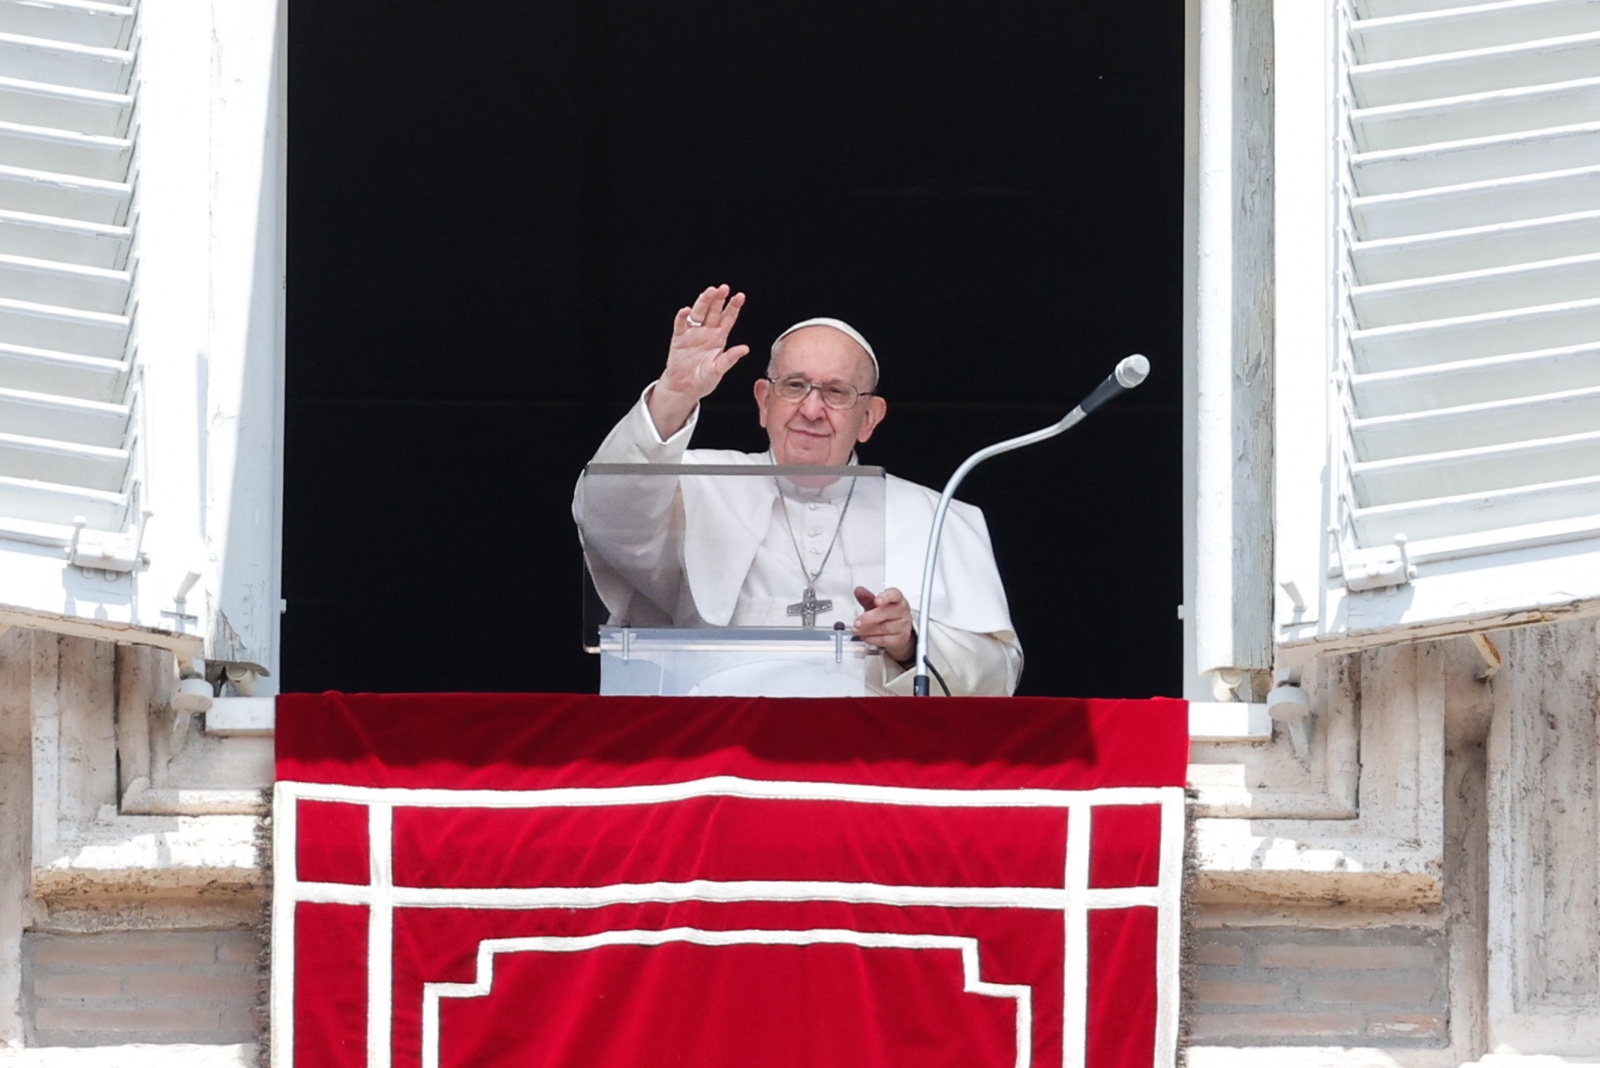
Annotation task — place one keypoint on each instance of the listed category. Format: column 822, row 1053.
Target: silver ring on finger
column 692, row 321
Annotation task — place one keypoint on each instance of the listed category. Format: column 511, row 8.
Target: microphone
column 1130, row 372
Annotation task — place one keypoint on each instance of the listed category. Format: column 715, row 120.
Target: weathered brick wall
column 139, row 986
column 1292, row 986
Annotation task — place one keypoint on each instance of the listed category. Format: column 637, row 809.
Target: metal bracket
column 180, row 601
column 1375, row 569
column 1291, row 590
column 113, row 555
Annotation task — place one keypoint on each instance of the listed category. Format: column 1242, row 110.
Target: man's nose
column 812, row 407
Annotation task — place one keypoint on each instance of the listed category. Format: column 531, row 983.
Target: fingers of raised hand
column 729, row 357
column 700, row 310
column 710, row 307
column 696, row 358
column 729, row 313
column 713, row 310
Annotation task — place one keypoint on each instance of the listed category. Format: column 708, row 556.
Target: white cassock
column 727, row 552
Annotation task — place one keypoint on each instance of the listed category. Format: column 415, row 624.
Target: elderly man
column 817, row 401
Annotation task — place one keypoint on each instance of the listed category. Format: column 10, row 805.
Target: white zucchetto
column 840, row 325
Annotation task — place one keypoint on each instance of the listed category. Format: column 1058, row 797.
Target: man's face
column 808, row 431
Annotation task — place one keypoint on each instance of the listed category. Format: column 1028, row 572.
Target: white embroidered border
column 1075, row 899
column 1169, row 929
column 380, row 935
column 729, row 786
column 1075, row 937
column 489, row 949
column 285, row 895
column 593, row 897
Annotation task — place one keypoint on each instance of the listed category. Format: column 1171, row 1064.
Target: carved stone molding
column 1544, row 872
column 1374, row 833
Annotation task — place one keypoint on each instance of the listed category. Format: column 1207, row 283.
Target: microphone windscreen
column 1132, row 370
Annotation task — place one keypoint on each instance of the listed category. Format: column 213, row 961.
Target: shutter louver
column 67, row 396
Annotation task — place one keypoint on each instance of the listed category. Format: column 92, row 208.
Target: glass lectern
column 730, row 580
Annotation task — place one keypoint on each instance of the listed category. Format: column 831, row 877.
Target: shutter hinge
column 1374, row 569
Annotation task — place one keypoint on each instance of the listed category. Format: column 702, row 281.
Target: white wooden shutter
column 141, row 342
column 1455, row 346
column 67, row 397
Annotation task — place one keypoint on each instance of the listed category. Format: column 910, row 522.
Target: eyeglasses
column 840, row 396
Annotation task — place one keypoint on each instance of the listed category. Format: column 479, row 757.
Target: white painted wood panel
column 1470, row 26
column 68, row 439
column 1375, row 9
column 1476, row 248
column 66, row 151
column 1468, row 204
column 1464, row 352
column 37, row 510
column 1434, row 77
column 1442, row 474
column 83, row 22
column 63, row 329
column 1451, row 296
column 170, row 461
column 1470, row 337
column 1476, row 426
column 1483, row 381
column 1540, row 511
column 69, row 284
column 47, row 415
column 1476, row 159
column 107, row 70
column 39, row 370
column 1228, row 349
column 1488, row 114
column 64, row 107
column 63, row 196
column 53, row 461
column 65, row 241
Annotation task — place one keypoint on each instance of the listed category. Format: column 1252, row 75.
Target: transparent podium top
column 737, row 545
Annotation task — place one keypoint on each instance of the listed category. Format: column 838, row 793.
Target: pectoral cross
column 808, row 606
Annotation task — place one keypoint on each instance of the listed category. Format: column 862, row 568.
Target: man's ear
column 877, row 408
column 762, row 388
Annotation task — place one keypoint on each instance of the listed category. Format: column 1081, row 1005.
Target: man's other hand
column 886, row 622
column 697, row 358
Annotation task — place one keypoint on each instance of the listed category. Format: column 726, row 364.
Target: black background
column 495, row 210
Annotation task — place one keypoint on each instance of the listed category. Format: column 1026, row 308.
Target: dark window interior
column 495, row 211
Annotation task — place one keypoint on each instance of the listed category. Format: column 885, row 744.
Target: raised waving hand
column 697, row 358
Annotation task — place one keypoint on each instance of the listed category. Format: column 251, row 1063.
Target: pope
column 817, row 401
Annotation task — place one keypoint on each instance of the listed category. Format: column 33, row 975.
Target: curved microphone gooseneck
column 1129, row 373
